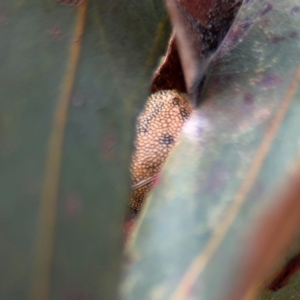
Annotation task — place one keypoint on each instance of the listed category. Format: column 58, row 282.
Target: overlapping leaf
column 233, row 157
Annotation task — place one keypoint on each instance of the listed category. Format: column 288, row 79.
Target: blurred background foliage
column 118, row 44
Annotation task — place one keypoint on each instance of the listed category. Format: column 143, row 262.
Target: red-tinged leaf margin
column 273, row 233
column 282, row 276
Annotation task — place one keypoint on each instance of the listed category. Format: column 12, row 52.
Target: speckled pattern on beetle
column 157, row 130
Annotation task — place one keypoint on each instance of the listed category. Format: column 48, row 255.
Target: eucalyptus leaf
column 72, row 82
column 234, row 155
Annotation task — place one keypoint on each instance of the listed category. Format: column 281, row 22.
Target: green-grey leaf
column 234, row 153
column 72, row 81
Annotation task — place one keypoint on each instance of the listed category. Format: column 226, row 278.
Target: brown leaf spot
column 268, row 7
column 72, row 206
column 295, row 10
column 108, row 149
column 278, row 39
column 293, row 34
column 269, row 81
column 249, row 99
column 55, row 32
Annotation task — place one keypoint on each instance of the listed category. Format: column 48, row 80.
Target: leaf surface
column 72, row 81
column 234, row 156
